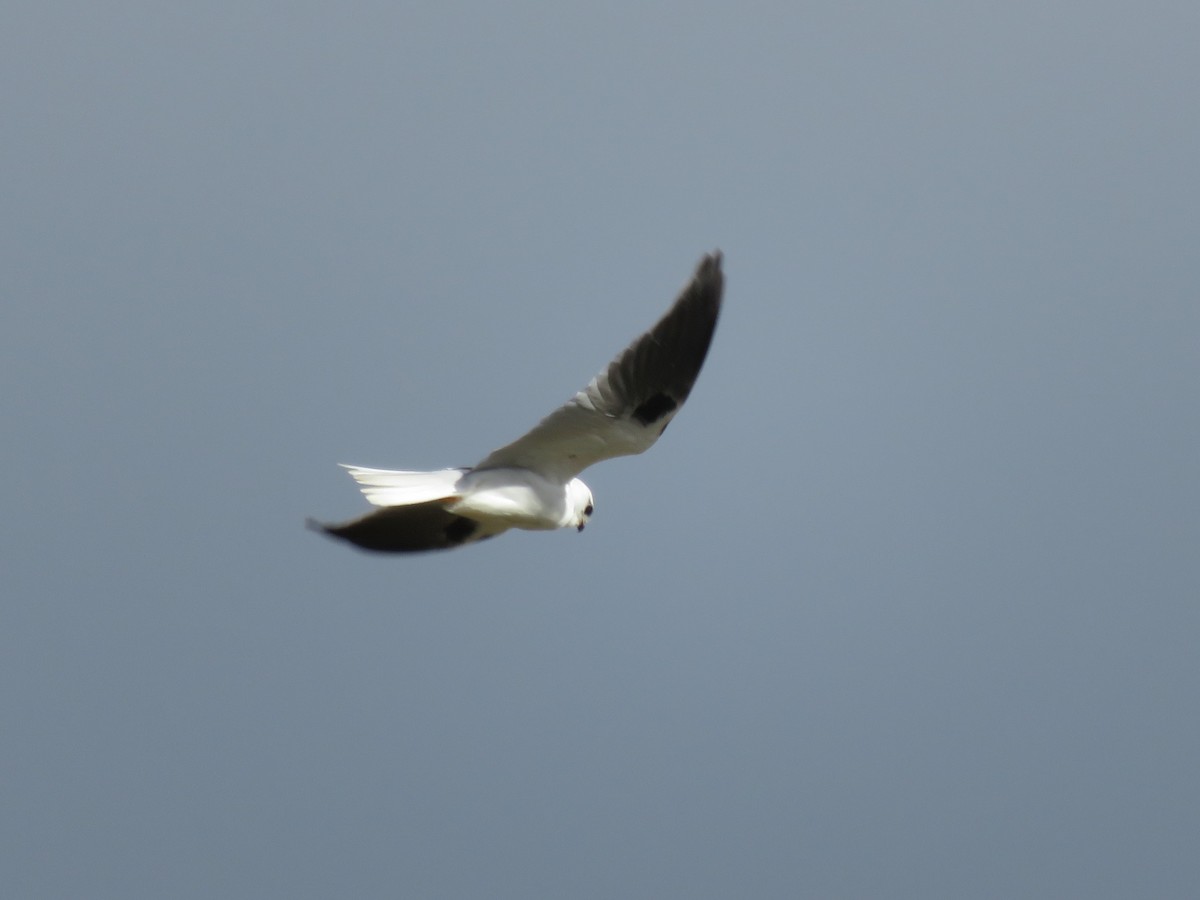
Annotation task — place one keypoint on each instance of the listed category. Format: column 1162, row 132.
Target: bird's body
column 521, row 498
column 532, row 483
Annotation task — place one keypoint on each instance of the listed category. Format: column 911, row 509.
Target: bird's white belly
column 518, row 498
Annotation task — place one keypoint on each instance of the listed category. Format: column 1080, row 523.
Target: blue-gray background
column 903, row 605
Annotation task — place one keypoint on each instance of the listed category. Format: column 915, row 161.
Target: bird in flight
column 532, row 483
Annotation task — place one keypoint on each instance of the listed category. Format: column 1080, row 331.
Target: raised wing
column 627, row 406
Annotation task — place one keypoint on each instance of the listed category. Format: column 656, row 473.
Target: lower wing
column 408, row 529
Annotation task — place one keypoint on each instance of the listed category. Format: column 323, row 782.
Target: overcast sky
column 905, row 604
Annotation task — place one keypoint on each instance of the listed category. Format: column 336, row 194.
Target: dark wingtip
column 710, row 264
column 709, row 280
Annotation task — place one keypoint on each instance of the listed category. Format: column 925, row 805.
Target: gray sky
column 904, row 604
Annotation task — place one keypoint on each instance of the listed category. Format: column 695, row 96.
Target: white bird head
column 579, row 504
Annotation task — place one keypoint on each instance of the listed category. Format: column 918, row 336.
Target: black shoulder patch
column 460, row 529
column 654, row 409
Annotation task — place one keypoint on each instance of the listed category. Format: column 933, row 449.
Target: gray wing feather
column 625, row 408
column 407, row 529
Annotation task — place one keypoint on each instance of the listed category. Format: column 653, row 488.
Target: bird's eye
column 587, row 510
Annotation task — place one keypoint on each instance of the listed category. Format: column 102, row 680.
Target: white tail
column 384, row 487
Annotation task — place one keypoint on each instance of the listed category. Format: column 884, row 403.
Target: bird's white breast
column 517, row 497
